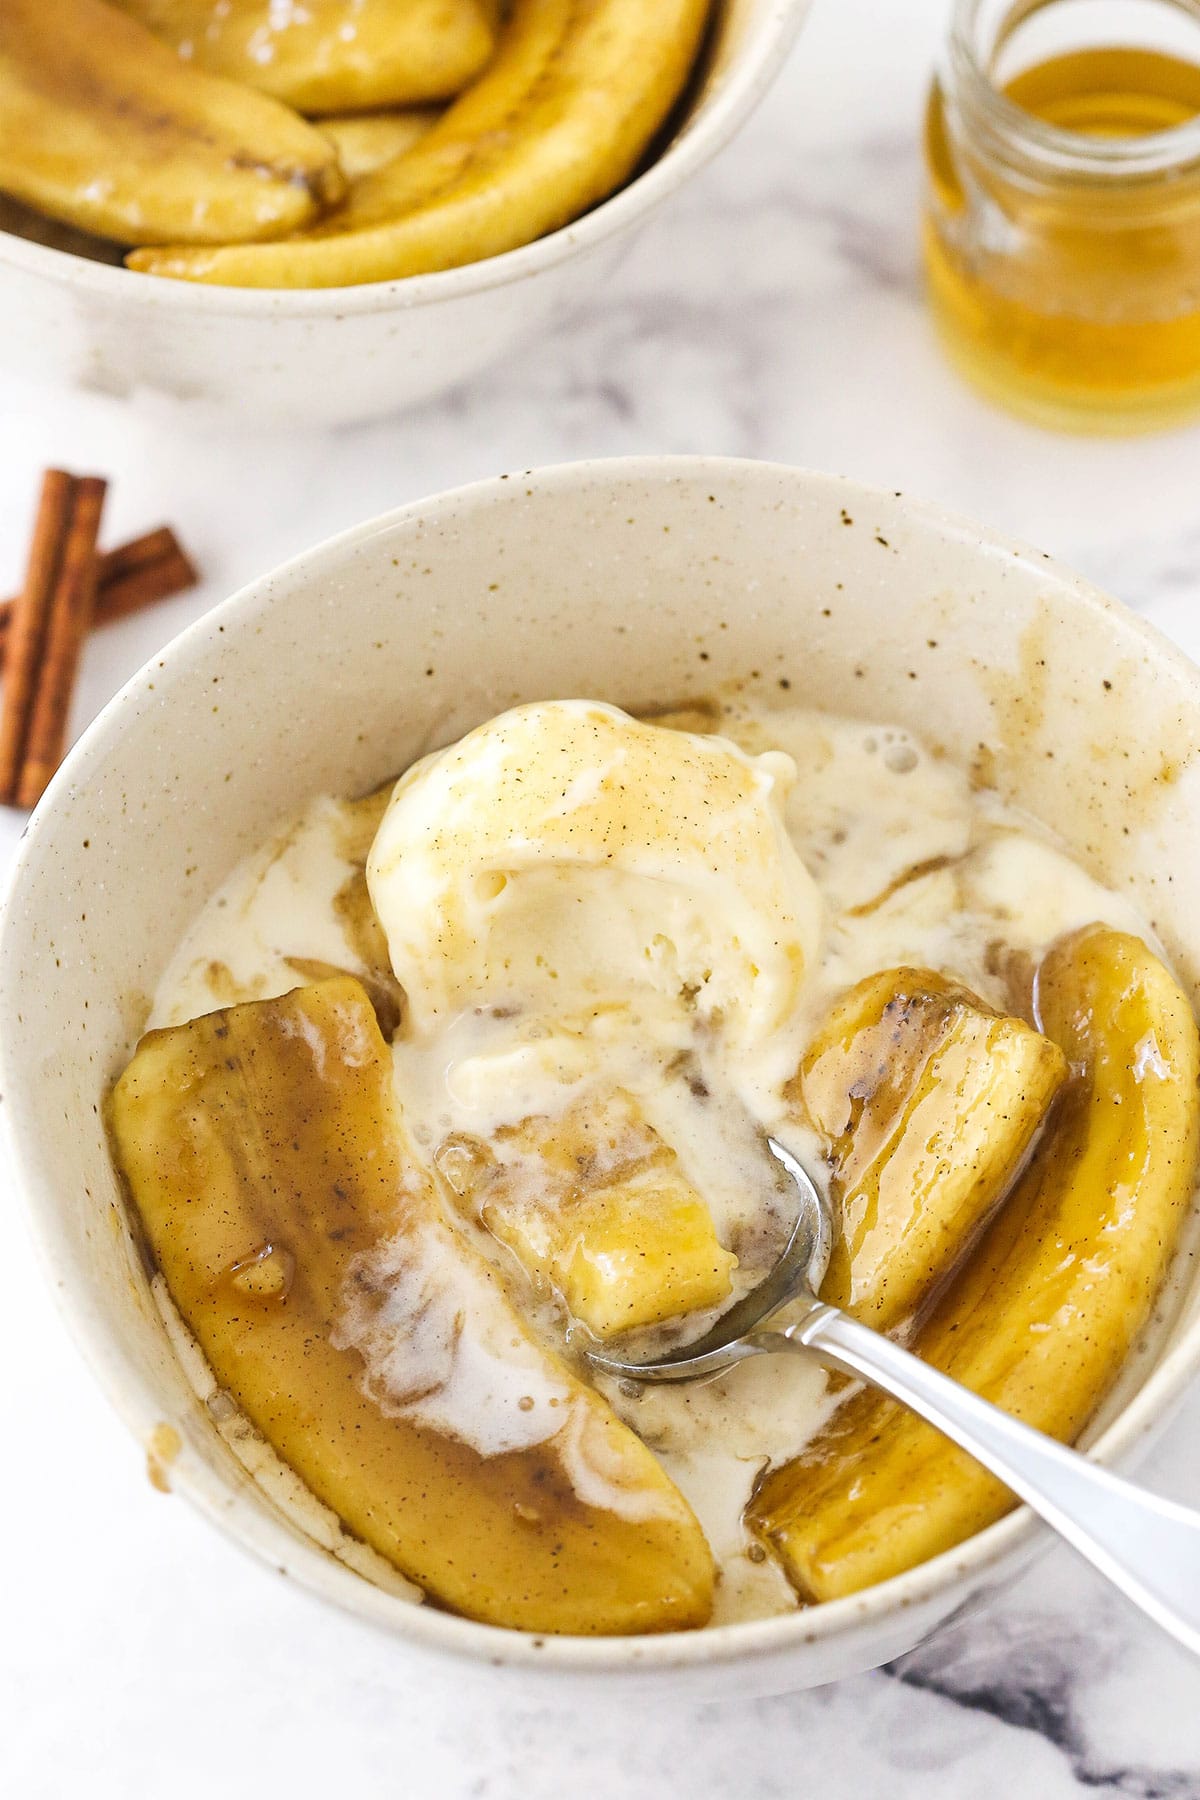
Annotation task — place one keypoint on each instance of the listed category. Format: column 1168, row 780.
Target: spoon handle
column 1147, row 1547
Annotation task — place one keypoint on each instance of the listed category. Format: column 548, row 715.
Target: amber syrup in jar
column 1062, row 220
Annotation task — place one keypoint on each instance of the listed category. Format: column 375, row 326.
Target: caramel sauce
column 162, row 1447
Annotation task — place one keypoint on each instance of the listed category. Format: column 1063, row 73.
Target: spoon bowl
column 1147, row 1547
column 795, row 1277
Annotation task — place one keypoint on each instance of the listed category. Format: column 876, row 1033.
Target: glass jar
column 1062, row 216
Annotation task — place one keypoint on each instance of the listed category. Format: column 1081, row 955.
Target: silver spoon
column 1147, row 1547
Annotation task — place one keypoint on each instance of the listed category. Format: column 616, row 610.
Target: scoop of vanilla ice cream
column 565, row 859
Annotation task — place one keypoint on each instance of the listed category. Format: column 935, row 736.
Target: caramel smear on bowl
column 163, row 1446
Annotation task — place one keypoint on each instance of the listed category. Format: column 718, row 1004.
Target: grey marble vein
column 1030, row 1675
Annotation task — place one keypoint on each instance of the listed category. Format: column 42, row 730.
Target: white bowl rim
column 746, row 81
column 425, row 1626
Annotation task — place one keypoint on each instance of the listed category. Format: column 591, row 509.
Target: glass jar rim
column 1052, row 151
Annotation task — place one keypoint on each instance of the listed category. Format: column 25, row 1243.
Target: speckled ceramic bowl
column 633, row 581
column 331, row 356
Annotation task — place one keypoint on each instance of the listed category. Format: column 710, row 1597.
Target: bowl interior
column 745, row 44
column 636, row 581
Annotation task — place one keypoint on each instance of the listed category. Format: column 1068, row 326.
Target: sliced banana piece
column 928, row 1101
column 595, row 1205
column 366, row 142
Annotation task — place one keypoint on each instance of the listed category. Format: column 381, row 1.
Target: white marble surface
column 774, row 312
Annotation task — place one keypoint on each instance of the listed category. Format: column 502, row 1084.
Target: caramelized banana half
column 594, row 1205
column 326, row 55
column 928, row 1101
column 104, row 128
column 310, row 1259
column 1049, row 1304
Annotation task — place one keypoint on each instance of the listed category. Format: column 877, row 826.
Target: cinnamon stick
column 128, row 590
column 133, row 575
column 67, row 625
column 151, row 547
column 30, row 618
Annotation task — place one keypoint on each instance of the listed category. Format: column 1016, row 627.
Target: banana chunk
column 330, row 55
column 312, row 1263
column 102, row 127
column 1050, row 1303
column 367, row 141
column 559, row 119
column 594, row 1205
column 928, row 1101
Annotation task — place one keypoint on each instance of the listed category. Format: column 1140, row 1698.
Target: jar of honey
column 1062, row 218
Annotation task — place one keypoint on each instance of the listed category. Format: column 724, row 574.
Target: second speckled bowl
column 332, row 356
